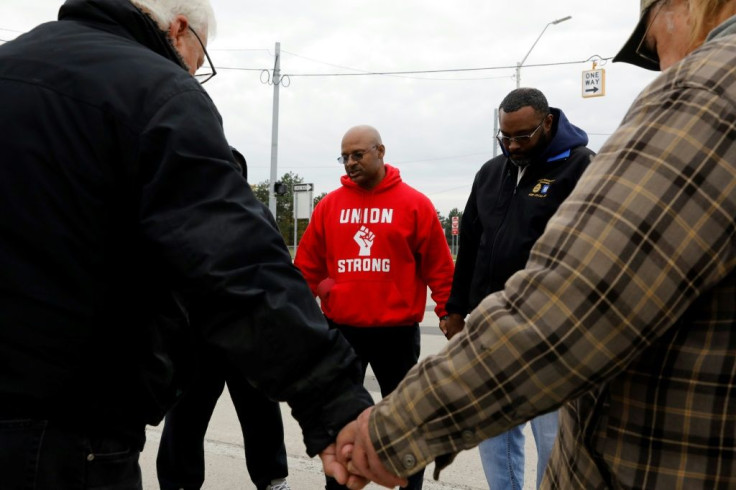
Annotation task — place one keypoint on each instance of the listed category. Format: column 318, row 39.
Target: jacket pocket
column 368, row 303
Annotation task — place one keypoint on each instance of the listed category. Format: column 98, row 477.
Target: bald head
column 365, row 133
column 362, row 151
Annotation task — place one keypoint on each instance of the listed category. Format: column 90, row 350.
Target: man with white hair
column 125, row 224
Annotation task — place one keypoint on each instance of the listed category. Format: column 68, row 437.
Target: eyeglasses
column 356, row 155
column 522, row 140
column 643, row 50
column 206, row 75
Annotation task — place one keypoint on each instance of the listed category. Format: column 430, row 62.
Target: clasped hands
column 352, row 460
column 453, row 324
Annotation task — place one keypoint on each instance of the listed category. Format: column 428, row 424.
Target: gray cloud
column 438, row 128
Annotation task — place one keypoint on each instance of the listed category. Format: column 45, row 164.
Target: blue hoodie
column 566, row 136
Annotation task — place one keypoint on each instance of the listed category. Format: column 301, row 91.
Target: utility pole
column 275, row 131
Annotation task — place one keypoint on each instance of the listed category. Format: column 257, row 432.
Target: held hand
column 443, row 326
column 331, row 466
column 364, row 459
column 452, row 325
column 345, row 444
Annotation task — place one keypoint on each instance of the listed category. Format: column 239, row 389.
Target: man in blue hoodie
column 512, row 198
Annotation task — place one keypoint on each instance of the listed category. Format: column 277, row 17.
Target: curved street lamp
column 519, row 64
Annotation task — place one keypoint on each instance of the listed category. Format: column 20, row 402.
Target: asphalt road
column 224, row 456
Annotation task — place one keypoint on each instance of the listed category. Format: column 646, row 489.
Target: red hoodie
column 370, row 254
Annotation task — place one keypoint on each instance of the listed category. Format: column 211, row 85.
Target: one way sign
column 594, row 83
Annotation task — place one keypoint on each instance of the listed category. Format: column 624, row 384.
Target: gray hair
column 199, row 13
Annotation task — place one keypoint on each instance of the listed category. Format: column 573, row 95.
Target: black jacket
column 117, row 187
column 502, row 220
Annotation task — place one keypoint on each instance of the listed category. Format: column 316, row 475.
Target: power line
column 399, row 162
column 286, row 75
column 237, row 68
column 452, row 157
column 448, row 70
column 326, row 63
column 419, row 72
column 452, row 79
column 464, row 186
column 240, row 49
column 360, row 72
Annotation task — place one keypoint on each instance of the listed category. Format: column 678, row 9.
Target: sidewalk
column 225, row 465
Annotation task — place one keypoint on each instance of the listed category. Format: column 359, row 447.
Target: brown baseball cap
column 628, row 54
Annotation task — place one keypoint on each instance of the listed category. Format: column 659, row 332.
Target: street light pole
column 521, row 63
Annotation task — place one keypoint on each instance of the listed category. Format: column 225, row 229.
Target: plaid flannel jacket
column 624, row 316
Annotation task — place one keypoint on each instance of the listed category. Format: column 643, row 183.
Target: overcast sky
column 437, row 127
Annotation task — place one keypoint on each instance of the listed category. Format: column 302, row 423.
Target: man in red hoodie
column 369, row 253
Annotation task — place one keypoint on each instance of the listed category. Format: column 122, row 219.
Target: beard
column 521, row 162
column 532, row 153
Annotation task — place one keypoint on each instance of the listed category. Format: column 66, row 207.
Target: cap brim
column 627, row 54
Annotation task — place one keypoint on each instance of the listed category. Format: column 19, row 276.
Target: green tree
column 443, row 220
column 284, row 206
column 447, row 224
column 319, row 198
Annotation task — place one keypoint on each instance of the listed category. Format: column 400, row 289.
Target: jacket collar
column 726, row 28
column 391, row 179
column 122, row 18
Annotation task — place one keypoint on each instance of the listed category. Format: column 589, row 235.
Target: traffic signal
column 279, row 188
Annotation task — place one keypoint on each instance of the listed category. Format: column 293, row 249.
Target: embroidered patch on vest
column 541, row 189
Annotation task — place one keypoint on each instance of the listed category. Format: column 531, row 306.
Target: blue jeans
column 503, row 456
column 37, row 455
